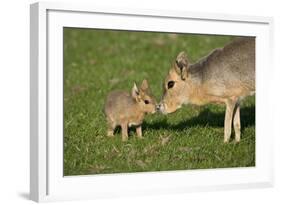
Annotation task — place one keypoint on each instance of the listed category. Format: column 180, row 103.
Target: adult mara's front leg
column 230, row 105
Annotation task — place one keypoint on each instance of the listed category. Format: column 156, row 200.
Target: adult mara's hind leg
column 237, row 123
column 230, row 105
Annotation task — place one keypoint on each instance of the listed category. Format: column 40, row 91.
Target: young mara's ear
column 181, row 65
column 144, row 85
column 135, row 93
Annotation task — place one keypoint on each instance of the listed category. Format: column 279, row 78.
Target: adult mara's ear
column 181, row 65
column 144, row 85
column 136, row 93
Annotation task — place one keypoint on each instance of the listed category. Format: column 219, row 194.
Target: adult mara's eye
column 146, row 102
column 171, row 84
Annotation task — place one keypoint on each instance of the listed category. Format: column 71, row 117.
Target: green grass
column 98, row 61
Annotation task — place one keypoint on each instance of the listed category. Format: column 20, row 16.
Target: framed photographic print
column 127, row 102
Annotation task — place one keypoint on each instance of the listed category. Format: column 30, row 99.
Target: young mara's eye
column 171, row 84
column 146, row 102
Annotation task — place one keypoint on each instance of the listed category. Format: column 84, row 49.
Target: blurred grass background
column 98, row 61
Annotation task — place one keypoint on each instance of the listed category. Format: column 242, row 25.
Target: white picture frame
column 47, row 182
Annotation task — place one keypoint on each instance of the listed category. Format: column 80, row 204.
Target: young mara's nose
column 161, row 108
column 158, row 107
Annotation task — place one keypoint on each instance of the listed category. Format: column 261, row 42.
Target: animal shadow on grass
column 206, row 117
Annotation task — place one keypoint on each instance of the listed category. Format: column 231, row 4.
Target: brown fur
column 125, row 110
column 225, row 76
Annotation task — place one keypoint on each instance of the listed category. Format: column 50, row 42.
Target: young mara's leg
column 110, row 128
column 230, row 105
column 139, row 131
column 236, row 123
column 124, row 127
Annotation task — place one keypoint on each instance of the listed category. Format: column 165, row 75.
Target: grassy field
column 98, row 61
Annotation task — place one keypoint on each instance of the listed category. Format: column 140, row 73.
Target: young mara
column 126, row 110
